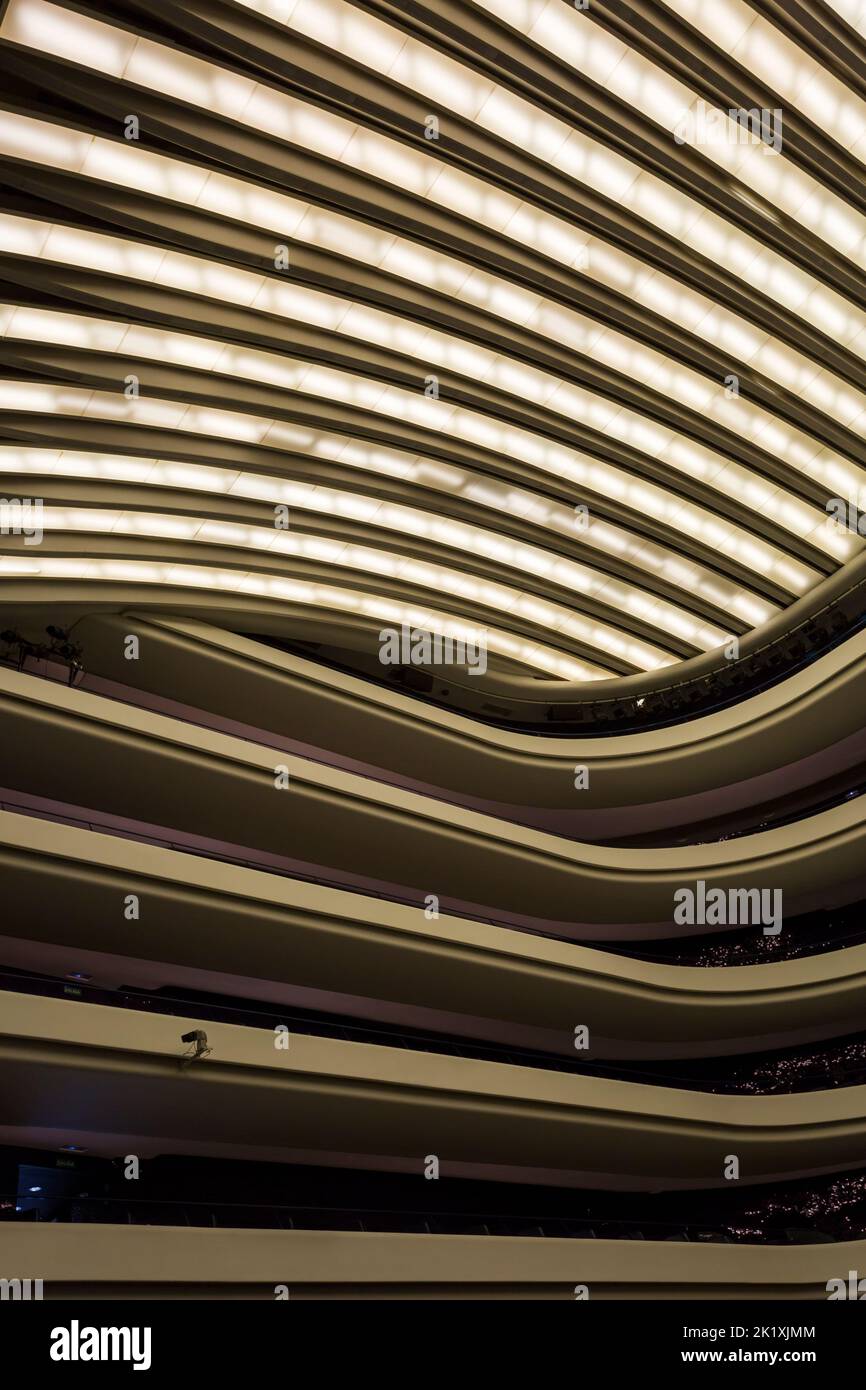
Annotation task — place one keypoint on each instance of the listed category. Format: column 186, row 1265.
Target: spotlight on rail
column 197, row 1040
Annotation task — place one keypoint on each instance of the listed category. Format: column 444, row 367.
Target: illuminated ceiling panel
column 502, row 300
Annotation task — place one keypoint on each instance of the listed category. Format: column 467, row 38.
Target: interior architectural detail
column 433, row 648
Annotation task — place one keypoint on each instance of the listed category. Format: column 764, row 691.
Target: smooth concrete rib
column 109, row 1261
column 107, row 1071
column 129, row 761
column 232, row 930
column 803, row 729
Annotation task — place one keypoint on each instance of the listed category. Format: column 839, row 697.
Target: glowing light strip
column 99, row 46
column 253, row 583
column 853, row 12
column 646, row 497
column 334, row 551
column 575, row 39
column 574, row 404
column 94, row 157
column 685, row 574
column 783, row 65
column 598, row 343
column 486, row 366
column 410, row 521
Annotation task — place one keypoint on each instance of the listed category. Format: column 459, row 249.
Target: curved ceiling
column 532, row 342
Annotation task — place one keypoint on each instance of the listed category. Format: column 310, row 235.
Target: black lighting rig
column 61, row 648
